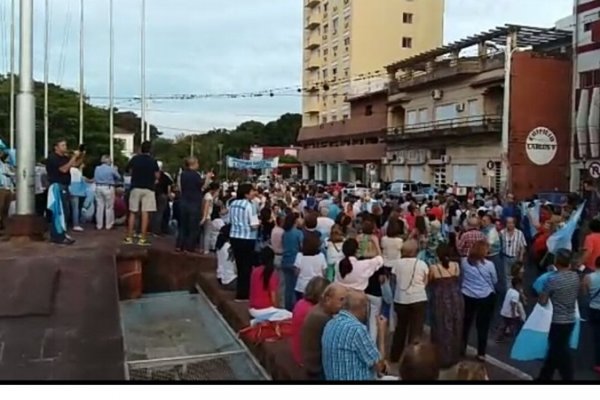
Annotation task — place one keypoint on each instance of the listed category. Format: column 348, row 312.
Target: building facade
column 128, row 139
column 586, row 93
column 348, row 40
column 447, row 121
column 347, row 150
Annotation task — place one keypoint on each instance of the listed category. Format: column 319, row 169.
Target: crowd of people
column 352, row 272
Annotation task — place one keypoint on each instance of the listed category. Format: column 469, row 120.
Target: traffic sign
column 594, row 169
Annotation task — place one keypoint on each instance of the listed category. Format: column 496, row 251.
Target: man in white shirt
column 514, row 247
column 324, row 223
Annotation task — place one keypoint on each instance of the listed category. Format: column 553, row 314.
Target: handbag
column 266, row 331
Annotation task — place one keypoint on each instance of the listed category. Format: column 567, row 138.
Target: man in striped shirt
column 470, row 237
column 513, row 247
column 244, row 222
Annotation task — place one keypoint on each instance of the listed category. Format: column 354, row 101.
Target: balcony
column 313, row 42
column 311, row 3
column 343, row 154
column 313, row 21
column 312, row 105
column 313, row 63
column 451, row 128
column 445, row 70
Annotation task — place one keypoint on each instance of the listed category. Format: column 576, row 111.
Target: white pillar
column 329, row 177
column 340, row 175
column 305, row 172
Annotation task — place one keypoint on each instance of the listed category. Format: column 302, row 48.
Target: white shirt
column 362, row 270
column 324, row 225
column 208, row 199
column 309, row 266
column 391, row 250
column 411, row 275
column 512, row 297
column 226, row 270
column 334, row 252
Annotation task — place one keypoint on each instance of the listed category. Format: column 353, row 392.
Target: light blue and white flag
column 55, row 205
column 561, row 239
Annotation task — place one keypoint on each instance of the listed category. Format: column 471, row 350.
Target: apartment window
column 445, row 112
column 334, row 117
column 335, row 50
column 345, row 117
column 335, row 23
column 589, row 79
column 325, row 74
column 346, row 2
column 473, row 108
column 347, row 41
column 334, row 72
column 423, row 115
column 369, row 110
column 347, row 22
column 346, row 72
column 324, row 119
column 325, row 7
column 325, row 29
column 412, row 118
column 407, row 42
column 407, row 18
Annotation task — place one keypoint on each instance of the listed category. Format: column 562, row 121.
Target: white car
column 356, row 189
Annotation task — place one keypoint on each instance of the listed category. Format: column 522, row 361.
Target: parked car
column 401, row 188
column 356, row 189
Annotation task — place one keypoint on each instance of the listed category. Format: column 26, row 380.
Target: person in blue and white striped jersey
column 244, row 222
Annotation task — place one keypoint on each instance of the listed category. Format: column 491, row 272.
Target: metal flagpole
column 81, row 61
column 143, row 133
column 46, row 62
column 12, row 73
column 26, row 115
column 111, row 86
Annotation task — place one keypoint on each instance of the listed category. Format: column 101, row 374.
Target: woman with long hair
column 264, row 285
column 479, row 279
column 447, row 306
column 226, row 270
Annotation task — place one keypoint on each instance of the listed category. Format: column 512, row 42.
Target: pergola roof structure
column 525, row 36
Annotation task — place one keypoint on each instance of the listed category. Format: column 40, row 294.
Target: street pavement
column 583, row 357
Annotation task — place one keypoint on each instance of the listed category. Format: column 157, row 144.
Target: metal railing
column 489, row 122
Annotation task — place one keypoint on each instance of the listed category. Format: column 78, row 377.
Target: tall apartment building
column 347, row 40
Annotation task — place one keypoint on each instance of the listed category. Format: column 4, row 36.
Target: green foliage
column 288, row 160
column 63, row 119
column 235, row 143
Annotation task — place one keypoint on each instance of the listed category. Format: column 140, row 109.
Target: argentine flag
column 561, row 239
column 55, row 205
column 532, row 341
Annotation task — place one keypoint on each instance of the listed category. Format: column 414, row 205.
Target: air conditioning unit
column 460, row 107
column 445, row 159
column 437, row 94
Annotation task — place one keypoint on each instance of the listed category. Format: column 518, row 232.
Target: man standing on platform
column 144, row 176
column 58, row 171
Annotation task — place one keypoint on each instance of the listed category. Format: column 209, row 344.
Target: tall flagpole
column 26, row 115
column 46, row 62
column 143, row 131
column 12, row 73
column 111, row 86
column 81, row 61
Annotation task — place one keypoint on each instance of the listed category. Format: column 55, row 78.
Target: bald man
column 312, row 330
column 470, row 237
column 348, row 351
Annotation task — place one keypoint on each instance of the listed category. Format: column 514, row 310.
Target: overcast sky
column 214, row 47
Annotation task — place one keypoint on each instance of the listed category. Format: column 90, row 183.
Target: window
column 423, row 115
column 325, row 74
column 347, row 41
column 465, row 175
column 369, row 110
column 411, row 118
column 347, row 22
column 407, row 18
column 587, row 27
column 473, row 108
column 326, row 7
column 335, row 50
column 334, row 72
column 325, row 52
column 346, row 72
column 335, row 25
column 346, row 2
column 334, row 117
column 589, row 79
column 345, row 116
column 324, row 119
column 325, row 29
column 407, row 42
column 445, row 112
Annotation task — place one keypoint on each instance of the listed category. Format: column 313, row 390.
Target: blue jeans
column 289, row 293
column 75, row 210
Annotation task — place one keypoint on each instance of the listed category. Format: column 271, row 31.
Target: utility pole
column 81, row 61
column 192, row 147
column 111, row 84
column 46, row 77
column 220, row 159
column 12, row 72
column 143, row 73
column 26, row 115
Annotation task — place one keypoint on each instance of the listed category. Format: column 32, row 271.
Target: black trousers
column 245, row 258
column 559, row 354
column 41, row 200
column 482, row 311
column 409, row 327
column 189, row 226
column 595, row 323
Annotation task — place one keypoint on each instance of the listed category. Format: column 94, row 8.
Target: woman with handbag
column 410, row 298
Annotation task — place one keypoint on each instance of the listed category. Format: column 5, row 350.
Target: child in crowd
column 226, row 269
column 309, row 263
column 512, row 311
column 334, row 251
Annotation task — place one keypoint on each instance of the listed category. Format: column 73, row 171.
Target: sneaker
column 143, row 242
column 78, row 229
column 128, row 240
